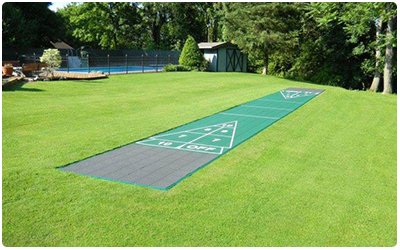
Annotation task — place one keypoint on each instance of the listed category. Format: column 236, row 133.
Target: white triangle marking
column 290, row 94
column 219, row 126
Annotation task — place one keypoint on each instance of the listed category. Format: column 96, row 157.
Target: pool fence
column 105, row 61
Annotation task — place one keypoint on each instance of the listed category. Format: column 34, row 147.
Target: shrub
column 182, row 68
column 191, row 55
column 171, row 67
column 52, row 59
column 205, row 65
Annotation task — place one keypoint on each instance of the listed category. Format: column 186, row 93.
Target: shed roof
column 214, row 45
column 61, row 45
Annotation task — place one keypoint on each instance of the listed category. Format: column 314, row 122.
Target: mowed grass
column 323, row 176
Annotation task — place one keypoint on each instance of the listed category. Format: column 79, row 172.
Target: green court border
column 194, row 171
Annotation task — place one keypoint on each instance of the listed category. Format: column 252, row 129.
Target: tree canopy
column 30, row 25
column 263, row 29
column 110, row 25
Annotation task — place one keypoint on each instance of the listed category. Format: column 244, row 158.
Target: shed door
column 234, row 60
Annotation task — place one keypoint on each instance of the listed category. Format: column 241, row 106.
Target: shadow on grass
column 19, row 87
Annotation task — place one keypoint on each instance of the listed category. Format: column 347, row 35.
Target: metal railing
column 116, row 64
column 132, row 62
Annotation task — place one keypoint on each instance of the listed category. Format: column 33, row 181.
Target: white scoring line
column 185, row 131
column 186, row 149
column 200, row 137
column 204, row 134
column 251, row 106
column 293, row 96
column 155, row 139
column 265, row 100
column 191, row 131
column 297, row 93
column 254, row 116
column 233, row 135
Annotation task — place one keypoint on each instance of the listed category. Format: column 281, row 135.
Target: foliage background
column 326, row 43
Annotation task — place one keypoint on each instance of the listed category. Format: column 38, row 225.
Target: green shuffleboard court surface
column 163, row 160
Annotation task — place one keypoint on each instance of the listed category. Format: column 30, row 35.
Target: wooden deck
column 79, row 76
column 9, row 81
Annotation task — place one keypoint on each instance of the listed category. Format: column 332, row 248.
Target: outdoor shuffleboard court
column 163, row 160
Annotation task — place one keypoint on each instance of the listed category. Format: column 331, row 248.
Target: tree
column 155, row 16
column 213, row 14
column 390, row 41
column 52, row 59
column 361, row 20
column 362, row 24
column 340, row 35
column 27, row 25
column 110, row 25
column 263, row 28
column 377, row 74
column 191, row 55
column 186, row 19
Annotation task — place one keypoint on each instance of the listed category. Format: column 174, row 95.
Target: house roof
column 214, row 45
column 61, row 45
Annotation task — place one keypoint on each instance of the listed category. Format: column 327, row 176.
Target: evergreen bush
column 191, row 55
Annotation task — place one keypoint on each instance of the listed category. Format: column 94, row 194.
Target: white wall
column 211, row 56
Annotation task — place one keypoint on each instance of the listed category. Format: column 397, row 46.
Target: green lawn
column 323, row 176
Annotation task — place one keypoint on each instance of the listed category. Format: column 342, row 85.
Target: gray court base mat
column 163, row 160
column 145, row 166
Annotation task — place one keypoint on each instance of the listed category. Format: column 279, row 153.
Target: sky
column 58, row 5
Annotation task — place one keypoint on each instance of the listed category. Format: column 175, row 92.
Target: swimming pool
column 113, row 69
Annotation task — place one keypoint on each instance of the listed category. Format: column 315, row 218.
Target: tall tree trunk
column 377, row 75
column 215, row 31
column 156, row 34
column 156, row 27
column 265, row 69
column 114, row 23
column 115, row 39
column 209, row 34
column 388, row 71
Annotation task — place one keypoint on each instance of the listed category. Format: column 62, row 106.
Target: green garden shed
column 224, row 57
